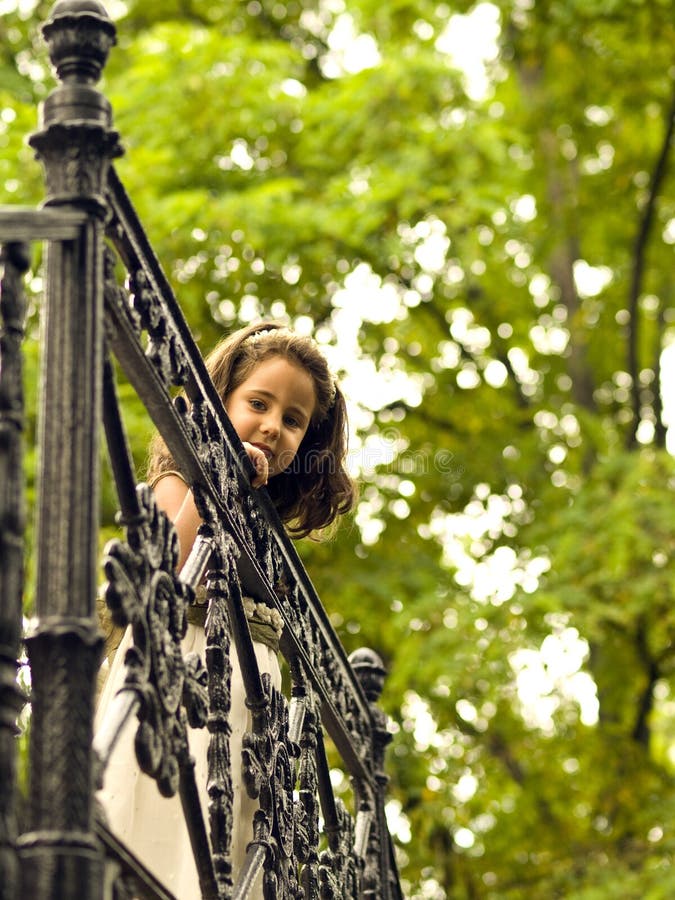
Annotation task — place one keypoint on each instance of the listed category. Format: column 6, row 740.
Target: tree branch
column 561, row 266
column 637, row 276
column 659, row 425
column 501, row 353
column 641, row 729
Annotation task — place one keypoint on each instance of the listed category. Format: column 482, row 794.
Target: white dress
column 152, row 826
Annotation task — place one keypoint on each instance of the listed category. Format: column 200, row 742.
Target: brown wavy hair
column 316, row 488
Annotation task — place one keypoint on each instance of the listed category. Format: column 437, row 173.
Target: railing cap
column 75, row 7
column 79, row 34
column 370, row 671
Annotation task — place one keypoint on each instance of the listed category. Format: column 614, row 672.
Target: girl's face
column 272, row 410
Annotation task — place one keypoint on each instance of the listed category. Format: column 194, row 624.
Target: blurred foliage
column 507, row 255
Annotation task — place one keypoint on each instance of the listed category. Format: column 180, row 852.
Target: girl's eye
column 257, row 404
column 292, row 422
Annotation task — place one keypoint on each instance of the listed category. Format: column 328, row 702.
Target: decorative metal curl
column 143, row 590
column 338, row 873
column 307, row 807
column 164, row 349
column 269, row 774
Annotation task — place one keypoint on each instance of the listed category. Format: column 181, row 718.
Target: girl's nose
column 270, row 426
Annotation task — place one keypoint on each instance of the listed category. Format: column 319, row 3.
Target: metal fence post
column 14, row 259
column 380, row 878
column 59, row 854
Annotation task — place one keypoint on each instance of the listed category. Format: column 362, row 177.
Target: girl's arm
column 176, row 500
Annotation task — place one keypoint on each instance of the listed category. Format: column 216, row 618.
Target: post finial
column 79, row 34
column 370, row 671
column 76, row 141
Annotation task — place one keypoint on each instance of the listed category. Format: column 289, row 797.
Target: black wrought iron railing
column 306, row 840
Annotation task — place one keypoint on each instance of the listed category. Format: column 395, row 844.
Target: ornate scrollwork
column 74, row 160
column 370, row 671
column 371, row 880
column 195, row 691
column 212, row 451
column 307, row 807
column 259, row 535
column 115, row 295
column 269, row 775
column 142, row 590
column 219, row 784
column 328, row 668
column 338, row 874
column 164, row 349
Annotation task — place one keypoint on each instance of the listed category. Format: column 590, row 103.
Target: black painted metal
column 13, row 263
column 64, row 846
column 58, row 851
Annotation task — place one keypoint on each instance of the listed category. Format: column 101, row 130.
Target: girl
column 291, row 417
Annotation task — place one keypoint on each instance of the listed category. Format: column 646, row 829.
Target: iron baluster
column 14, row 261
column 75, row 146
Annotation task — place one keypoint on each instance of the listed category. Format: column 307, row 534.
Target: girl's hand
column 260, row 464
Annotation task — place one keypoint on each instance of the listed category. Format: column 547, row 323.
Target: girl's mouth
column 266, row 450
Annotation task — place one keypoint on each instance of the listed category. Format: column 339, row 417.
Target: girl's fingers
column 260, row 464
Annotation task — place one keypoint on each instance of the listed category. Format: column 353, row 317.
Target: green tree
column 493, row 266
